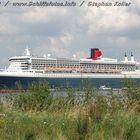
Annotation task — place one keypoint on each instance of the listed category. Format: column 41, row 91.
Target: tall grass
column 38, row 97
column 39, row 115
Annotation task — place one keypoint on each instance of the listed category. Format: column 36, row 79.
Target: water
column 78, row 95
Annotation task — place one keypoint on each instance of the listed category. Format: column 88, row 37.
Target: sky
column 64, row 31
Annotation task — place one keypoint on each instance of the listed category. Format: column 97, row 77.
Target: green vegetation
column 38, row 114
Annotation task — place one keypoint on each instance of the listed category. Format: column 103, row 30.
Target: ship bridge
column 20, row 63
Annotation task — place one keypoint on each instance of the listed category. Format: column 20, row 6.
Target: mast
column 27, row 51
column 125, row 57
column 132, row 57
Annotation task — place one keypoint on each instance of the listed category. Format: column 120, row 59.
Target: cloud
column 57, row 46
column 64, row 31
column 111, row 20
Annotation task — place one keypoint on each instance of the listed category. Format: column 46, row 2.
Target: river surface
column 79, row 95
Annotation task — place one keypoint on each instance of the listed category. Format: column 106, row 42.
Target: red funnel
column 97, row 54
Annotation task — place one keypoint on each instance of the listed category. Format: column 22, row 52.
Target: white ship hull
column 135, row 75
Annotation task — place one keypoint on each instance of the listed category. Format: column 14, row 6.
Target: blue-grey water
column 79, row 95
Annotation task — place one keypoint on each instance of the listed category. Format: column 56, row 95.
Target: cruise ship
column 73, row 72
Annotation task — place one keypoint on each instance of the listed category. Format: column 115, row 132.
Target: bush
column 132, row 91
column 38, row 97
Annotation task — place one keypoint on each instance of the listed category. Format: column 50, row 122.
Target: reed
column 39, row 115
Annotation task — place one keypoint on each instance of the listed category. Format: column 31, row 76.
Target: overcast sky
column 64, row 31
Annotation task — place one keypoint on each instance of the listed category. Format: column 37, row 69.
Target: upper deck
column 93, row 64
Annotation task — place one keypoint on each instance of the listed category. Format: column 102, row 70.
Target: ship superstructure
column 93, row 64
column 27, row 68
